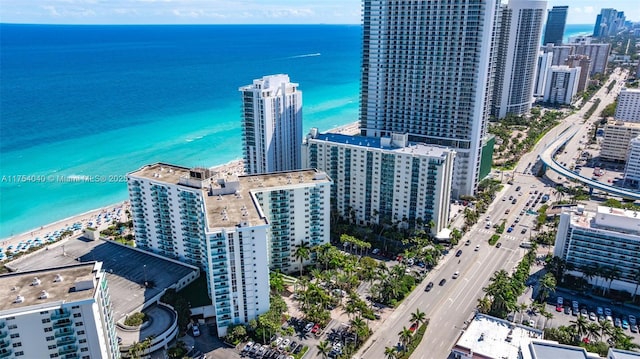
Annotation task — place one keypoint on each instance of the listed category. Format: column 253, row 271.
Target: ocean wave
column 305, row 55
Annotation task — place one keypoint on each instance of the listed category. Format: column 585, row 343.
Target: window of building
column 50, row 338
column 52, row 346
column 18, row 344
column 54, row 355
column 77, row 315
column 84, row 349
column 46, row 320
column 15, row 335
column 19, row 354
column 48, row 329
column 79, row 324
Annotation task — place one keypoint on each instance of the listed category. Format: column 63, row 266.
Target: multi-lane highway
column 450, row 305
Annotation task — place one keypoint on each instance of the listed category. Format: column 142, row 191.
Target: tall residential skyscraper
column 608, row 22
column 426, row 71
column 556, row 21
column 517, row 55
column 271, row 125
column 234, row 228
column 628, row 108
column 544, row 64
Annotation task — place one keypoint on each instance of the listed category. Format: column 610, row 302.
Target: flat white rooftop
column 543, row 349
column 607, row 218
column 492, row 337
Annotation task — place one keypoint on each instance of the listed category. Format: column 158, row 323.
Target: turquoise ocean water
column 81, row 106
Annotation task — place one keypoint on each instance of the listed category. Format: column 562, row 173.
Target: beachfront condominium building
column 271, row 125
column 560, row 53
column 628, row 108
column 427, row 71
column 234, row 228
column 617, row 137
column 584, row 63
column 598, row 53
column 556, row 21
column 608, row 23
column 561, row 85
column 632, row 167
column 61, row 312
column 544, row 64
column 608, row 238
column 520, row 28
column 385, row 180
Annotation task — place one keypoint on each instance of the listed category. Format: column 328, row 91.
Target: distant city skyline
column 227, row 12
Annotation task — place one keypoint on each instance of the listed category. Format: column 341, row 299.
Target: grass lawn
column 196, row 292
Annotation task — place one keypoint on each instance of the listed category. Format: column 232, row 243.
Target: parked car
column 196, row 331
column 247, row 347
column 499, row 244
column 309, row 326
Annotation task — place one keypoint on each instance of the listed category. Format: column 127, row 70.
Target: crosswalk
column 491, row 231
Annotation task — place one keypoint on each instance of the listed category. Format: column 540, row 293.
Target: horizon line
column 189, row 24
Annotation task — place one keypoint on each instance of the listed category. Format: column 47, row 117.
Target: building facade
column 62, row 312
column 560, row 53
column 430, row 76
column 561, row 85
column 234, row 228
column 608, row 238
column 584, row 63
column 556, row 21
column 598, row 53
column 517, row 56
column 628, row 108
column 617, row 137
column 608, row 23
column 384, row 180
column 544, row 64
column 271, row 125
column 632, row 167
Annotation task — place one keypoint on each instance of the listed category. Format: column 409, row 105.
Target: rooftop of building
column 492, row 337
column 386, row 144
column 228, row 197
column 231, row 208
column 608, row 218
column 70, row 283
column 613, row 123
column 630, row 90
column 543, row 349
column 126, row 269
column 622, row 354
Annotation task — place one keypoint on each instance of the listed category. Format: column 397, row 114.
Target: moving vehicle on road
column 459, row 253
column 428, row 287
column 442, row 282
column 456, row 275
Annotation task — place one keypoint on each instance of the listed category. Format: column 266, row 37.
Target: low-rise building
column 488, row 337
column 608, row 239
column 384, row 180
column 61, row 312
column 617, row 138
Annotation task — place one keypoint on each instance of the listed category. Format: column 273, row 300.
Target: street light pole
column 144, row 267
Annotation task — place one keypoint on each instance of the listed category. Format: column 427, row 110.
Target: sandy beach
column 113, row 212
column 352, row 129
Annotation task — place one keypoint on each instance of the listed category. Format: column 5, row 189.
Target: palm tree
column 324, row 348
column 276, row 281
column 302, row 253
column 606, row 328
column 588, row 272
column 580, row 325
column 405, row 337
column 547, row 285
column 359, row 327
column 390, row 352
column 418, row 317
column 611, row 274
column 593, row 331
column 484, row 305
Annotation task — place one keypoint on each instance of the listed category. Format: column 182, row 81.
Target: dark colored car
column 459, row 253
column 443, row 281
column 429, row 286
column 499, row 244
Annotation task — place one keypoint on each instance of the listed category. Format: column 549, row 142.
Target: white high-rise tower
column 520, row 32
column 271, row 125
column 426, row 72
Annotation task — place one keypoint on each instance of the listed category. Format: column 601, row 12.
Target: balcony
column 62, row 323
column 67, row 349
column 60, row 314
column 66, row 340
column 5, row 353
column 64, row 332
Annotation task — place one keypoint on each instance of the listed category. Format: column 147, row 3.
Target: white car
column 247, row 347
column 309, row 326
column 456, row 274
column 196, row 331
column 284, row 344
column 477, row 248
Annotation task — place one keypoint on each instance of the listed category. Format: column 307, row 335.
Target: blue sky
column 235, row 11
